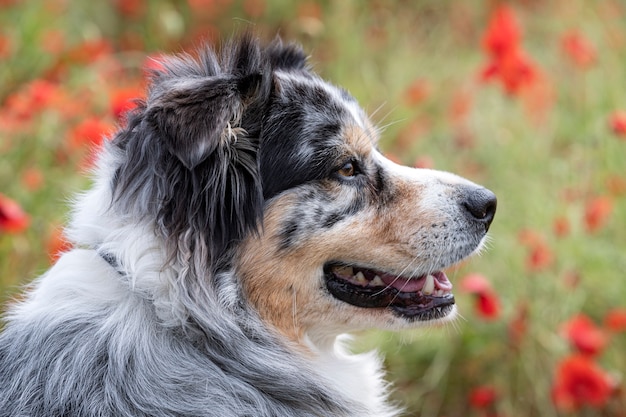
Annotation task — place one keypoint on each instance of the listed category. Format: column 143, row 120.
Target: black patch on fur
column 331, row 219
column 381, row 188
column 297, row 143
column 288, row 233
column 315, row 211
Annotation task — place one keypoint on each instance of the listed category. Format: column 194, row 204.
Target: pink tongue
column 404, row 284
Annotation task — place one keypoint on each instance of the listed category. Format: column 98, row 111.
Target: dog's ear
column 194, row 115
column 192, row 149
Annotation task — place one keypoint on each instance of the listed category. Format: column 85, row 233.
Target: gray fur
column 119, row 360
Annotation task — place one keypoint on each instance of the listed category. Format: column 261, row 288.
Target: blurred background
column 526, row 97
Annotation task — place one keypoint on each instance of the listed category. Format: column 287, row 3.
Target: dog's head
column 250, row 162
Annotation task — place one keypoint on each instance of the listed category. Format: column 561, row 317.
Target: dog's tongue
column 438, row 280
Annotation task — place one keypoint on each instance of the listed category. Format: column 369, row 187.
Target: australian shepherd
column 240, row 223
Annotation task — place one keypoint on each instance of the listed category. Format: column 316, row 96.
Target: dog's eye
column 347, row 170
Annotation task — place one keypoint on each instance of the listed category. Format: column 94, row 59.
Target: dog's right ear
column 196, row 114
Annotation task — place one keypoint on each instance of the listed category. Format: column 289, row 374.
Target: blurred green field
column 553, row 151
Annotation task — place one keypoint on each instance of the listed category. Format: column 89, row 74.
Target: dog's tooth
column 377, row 282
column 429, row 285
column 360, row 278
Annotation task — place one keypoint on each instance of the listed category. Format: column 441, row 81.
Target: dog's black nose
column 481, row 204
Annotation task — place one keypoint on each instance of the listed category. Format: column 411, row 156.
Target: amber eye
column 348, row 170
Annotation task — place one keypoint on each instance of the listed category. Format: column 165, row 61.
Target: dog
column 241, row 223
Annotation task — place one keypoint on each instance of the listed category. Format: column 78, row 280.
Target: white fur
column 358, row 376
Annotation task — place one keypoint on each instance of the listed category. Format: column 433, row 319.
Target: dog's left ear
column 196, row 115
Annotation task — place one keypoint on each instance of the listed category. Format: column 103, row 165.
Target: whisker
column 384, row 127
column 377, row 109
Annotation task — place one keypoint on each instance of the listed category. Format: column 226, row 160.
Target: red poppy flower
column 518, row 326
column 488, row 305
column 42, row 92
column 578, row 49
column 57, row 245
column 616, row 185
column 482, row 397
column 503, row 34
column 90, row 132
column 515, row 71
column 615, row 320
column 461, row 106
column 617, row 122
column 417, row 92
column 561, row 226
column 584, row 335
column 25, row 103
column 487, row 302
column 89, row 51
column 6, row 47
column 540, row 257
column 12, row 218
column 579, row 381
column 475, row 283
column 32, row 179
column 597, row 212
column 508, row 63
column 124, row 99
column 530, row 237
column 131, row 8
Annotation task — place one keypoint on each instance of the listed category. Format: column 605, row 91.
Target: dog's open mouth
column 426, row 297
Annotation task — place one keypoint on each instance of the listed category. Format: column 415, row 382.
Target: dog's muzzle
column 425, row 297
